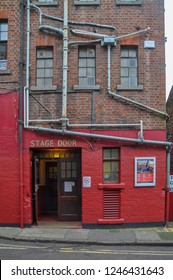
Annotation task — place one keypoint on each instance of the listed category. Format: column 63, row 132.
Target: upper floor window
column 129, row 66
column 3, row 44
column 111, row 164
column 44, row 67
column 87, row 64
column 129, row 2
column 86, row 2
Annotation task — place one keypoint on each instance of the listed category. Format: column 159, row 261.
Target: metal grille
column 111, row 204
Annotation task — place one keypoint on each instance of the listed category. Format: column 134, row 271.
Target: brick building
column 82, row 112
column 169, row 109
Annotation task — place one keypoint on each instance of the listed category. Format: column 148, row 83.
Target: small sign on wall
column 86, row 181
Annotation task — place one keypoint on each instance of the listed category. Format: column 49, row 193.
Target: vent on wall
column 111, row 204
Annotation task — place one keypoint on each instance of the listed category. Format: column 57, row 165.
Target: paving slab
column 77, row 234
column 147, row 235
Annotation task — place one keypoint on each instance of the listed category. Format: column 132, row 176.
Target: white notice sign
column 68, row 186
column 86, row 181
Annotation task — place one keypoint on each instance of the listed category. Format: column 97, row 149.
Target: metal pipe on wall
column 21, row 115
column 26, row 88
column 168, row 164
column 65, row 66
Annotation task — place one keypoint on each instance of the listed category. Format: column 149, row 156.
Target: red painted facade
column 137, row 204
column 53, row 162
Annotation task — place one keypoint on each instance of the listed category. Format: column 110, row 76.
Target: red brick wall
column 138, row 204
column 9, row 159
column 151, row 63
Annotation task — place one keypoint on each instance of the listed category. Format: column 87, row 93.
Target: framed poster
column 145, row 171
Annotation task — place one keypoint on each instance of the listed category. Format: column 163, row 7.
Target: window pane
column 48, row 82
column 124, row 72
column 90, row 81
column 133, row 72
column 107, row 153
column 3, row 36
column 62, row 170
column 115, row 153
column 82, row 72
column 91, row 62
column 3, row 31
column 40, row 73
column 48, row 73
column 133, row 81
column 124, row 53
column 40, row 82
column 132, row 62
column 82, row 62
column 49, row 63
column 90, row 52
column 48, row 54
column 132, row 53
column 124, row 62
column 40, row 53
column 83, row 81
column 125, row 81
column 40, row 63
column 91, row 72
column 3, row 64
column 82, row 53
column 107, row 167
column 3, row 50
column 4, row 27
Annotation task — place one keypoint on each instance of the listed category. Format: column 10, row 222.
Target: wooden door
column 69, row 190
column 50, row 202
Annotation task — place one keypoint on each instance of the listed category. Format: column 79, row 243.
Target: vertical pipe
column 92, row 108
column 65, row 66
column 21, row 114
column 168, row 161
column 26, row 92
column 109, row 67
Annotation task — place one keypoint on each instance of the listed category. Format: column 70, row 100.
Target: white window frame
column 129, row 86
column 87, row 67
column 45, row 67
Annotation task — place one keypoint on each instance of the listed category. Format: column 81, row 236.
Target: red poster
column 144, row 171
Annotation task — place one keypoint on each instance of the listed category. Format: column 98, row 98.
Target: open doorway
column 56, row 185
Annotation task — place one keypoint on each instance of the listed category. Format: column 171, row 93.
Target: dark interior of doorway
column 52, row 170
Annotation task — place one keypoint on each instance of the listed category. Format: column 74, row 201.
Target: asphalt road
column 15, row 250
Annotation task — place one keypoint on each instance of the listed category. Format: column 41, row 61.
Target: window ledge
column 124, row 2
column 110, row 221
column 77, row 87
column 50, row 88
column 120, row 87
column 111, row 186
column 5, row 72
column 78, row 2
column 55, row 3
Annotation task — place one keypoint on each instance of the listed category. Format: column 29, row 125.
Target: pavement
column 106, row 236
